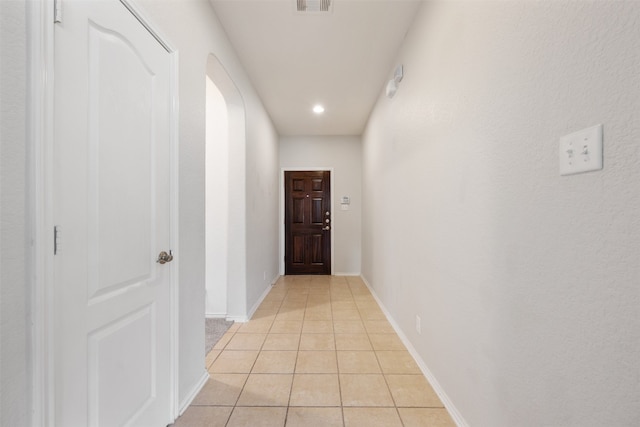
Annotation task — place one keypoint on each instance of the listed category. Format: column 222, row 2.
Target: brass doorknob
column 164, row 257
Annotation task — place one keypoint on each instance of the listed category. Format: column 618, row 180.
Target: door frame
column 40, row 119
column 282, row 237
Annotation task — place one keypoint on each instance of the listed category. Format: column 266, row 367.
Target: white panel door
column 112, row 209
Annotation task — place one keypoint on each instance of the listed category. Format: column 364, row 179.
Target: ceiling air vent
column 313, row 5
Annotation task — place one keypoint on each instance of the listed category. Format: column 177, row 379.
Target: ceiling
column 341, row 59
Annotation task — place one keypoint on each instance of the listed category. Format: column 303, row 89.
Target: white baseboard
column 453, row 411
column 243, row 319
column 194, row 392
column 346, row 274
column 262, row 297
column 275, row 279
column 215, row 315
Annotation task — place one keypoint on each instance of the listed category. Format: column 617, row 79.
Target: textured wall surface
column 344, row 155
column 193, row 29
column 527, row 282
column 14, row 356
column 262, row 201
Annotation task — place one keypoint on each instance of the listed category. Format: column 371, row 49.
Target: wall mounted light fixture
column 392, row 85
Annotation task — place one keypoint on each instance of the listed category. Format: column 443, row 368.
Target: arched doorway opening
column 225, row 196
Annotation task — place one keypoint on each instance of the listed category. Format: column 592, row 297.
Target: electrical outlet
column 581, row 151
column 264, row 275
column 418, row 325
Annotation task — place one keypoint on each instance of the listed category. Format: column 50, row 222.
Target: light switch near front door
column 345, row 201
column 581, row 151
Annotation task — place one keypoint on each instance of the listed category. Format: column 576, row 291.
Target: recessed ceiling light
column 318, row 109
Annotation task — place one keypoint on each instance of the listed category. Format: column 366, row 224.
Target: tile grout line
column 250, row 370
column 334, row 297
column 293, row 375
column 378, row 360
column 335, row 344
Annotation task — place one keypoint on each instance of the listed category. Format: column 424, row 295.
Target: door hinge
column 56, row 230
column 57, row 11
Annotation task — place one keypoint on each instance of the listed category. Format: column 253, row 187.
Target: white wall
column 262, row 204
column 217, row 201
column 192, row 27
column 342, row 154
column 527, row 282
column 14, row 354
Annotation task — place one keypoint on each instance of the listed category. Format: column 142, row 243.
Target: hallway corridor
column 317, row 352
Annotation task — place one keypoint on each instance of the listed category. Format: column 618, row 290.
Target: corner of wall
column 447, row 402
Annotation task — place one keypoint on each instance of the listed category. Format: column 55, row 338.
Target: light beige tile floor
column 317, row 352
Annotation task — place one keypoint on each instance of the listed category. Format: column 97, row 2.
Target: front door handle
column 164, row 257
column 327, row 228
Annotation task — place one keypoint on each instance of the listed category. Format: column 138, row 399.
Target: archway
column 225, row 196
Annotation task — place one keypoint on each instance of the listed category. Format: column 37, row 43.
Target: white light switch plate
column 581, row 151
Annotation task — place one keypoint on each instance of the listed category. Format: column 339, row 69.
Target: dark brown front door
column 307, row 220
